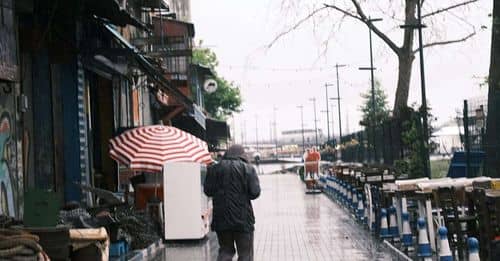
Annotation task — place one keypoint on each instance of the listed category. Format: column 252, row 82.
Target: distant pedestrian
column 257, row 162
column 233, row 183
column 256, row 158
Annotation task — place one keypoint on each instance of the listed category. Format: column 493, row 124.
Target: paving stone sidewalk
column 292, row 225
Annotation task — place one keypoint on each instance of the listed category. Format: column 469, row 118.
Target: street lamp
column 301, row 107
column 371, row 69
column 315, row 120
column 423, row 110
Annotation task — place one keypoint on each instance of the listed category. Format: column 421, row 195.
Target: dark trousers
column 227, row 241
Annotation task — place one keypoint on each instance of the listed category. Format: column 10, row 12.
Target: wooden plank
column 59, row 157
column 103, row 131
column 42, row 122
column 495, row 184
column 28, row 148
column 171, row 53
column 135, row 107
column 8, row 47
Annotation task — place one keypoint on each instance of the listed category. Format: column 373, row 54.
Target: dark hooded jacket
column 232, row 183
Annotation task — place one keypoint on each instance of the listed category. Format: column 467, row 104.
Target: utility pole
column 328, row 122
column 468, row 172
column 425, row 126
column 327, row 111
column 275, row 132
column 301, row 107
column 337, row 66
column 315, row 120
column 371, row 69
column 423, row 109
column 333, row 125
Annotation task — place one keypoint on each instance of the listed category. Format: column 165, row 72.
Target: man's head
column 236, row 151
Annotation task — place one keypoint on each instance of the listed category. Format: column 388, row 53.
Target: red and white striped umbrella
column 149, row 148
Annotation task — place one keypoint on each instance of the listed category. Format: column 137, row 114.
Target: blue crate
column 458, row 166
column 118, row 248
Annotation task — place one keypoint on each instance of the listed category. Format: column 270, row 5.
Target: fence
column 390, row 142
column 386, row 146
column 472, row 124
column 383, row 147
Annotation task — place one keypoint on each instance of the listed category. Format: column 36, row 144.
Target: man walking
column 233, row 183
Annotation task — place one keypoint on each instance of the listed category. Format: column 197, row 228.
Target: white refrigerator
column 187, row 210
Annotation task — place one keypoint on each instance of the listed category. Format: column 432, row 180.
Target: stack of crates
column 487, row 207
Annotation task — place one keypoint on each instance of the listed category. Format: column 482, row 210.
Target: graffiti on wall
column 6, row 184
column 10, row 180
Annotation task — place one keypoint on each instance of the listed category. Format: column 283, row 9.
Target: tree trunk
column 403, row 89
column 493, row 120
column 405, row 59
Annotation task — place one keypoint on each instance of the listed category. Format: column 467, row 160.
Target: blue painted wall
column 69, row 91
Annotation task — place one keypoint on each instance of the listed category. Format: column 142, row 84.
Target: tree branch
column 463, row 39
column 294, row 27
column 347, row 13
column 362, row 17
column 449, row 8
column 379, row 33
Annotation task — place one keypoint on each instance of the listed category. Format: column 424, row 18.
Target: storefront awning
column 152, row 72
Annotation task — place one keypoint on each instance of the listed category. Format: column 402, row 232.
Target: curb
column 147, row 253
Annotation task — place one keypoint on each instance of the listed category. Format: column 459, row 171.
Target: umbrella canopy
column 149, row 148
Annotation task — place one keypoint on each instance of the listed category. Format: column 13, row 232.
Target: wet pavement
column 292, row 225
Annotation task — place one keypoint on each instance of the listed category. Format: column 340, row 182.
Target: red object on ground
column 312, row 160
column 316, row 155
column 310, row 183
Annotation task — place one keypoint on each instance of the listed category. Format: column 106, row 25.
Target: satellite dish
column 210, row 85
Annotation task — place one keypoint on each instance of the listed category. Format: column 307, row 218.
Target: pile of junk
column 113, row 229
column 129, row 224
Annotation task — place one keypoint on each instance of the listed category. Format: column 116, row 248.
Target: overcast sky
column 297, row 66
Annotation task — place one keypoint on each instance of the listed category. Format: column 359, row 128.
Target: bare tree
column 406, row 52
column 493, row 120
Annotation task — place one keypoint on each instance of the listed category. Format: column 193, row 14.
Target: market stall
column 174, row 162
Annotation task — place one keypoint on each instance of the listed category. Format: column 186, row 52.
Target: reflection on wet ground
column 291, row 225
column 274, row 167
